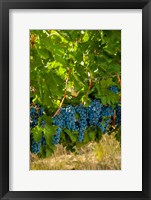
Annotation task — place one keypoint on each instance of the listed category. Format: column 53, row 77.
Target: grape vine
column 75, row 87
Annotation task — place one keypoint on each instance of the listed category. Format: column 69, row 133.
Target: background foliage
column 72, row 67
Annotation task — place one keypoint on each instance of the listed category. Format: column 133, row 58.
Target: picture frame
column 5, row 6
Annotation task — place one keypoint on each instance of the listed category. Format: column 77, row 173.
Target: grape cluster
column 35, row 146
column 76, row 118
column 56, row 137
column 95, row 112
column 35, row 112
column 81, row 121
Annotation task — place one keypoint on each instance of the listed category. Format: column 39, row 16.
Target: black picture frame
column 5, row 5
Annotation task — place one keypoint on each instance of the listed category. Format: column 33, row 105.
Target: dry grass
column 105, row 155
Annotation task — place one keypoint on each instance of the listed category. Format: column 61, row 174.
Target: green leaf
column 99, row 134
column 104, row 100
column 49, row 132
column 76, row 83
column 49, row 151
column 86, row 137
column 37, row 133
column 86, row 100
column 47, row 119
column 92, row 135
column 54, row 64
column 72, row 135
column 43, row 53
column 85, row 37
column 51, row 129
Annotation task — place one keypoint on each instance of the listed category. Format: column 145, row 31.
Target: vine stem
column 89, row 86
column 64, row 96
column 119, row 80
column 60, row 106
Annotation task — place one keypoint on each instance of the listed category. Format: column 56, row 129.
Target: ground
column 105, row 155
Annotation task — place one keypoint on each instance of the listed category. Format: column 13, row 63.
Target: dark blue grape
column 94, row 111
column 114, row 89
column 104, row 125
column 35, row 147
column 56, row 137
column 118, row 115
column 35, row 112
column 107, row 111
